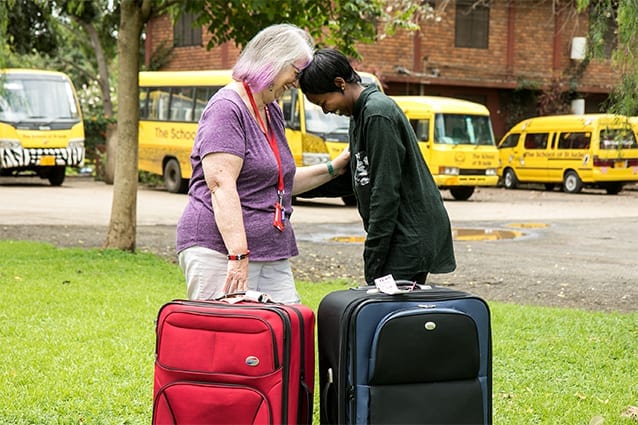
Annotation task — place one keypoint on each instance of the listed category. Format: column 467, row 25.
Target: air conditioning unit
column 579, row 48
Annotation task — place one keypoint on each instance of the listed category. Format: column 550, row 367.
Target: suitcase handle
column 249, row 295
column 403, row 285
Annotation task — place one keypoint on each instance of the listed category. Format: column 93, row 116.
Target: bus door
column 289, row 102
column 572, row 151
column 532, row 160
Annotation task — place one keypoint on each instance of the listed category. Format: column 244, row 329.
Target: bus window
column 181, row 104
column 288, row 107
column 460, row 129
column 616, row 138
column 202, row 96
column 576, row 140
column 318, row 122
column 143, row 103
column 510, row 141
column 536, row 140
column 158, row 103
column 421, row 129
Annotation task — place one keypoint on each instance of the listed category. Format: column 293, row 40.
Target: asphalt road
column 525, row 246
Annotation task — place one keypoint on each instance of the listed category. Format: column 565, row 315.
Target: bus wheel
column 572, row 183
column 509, row 179
column 173, row 180
column 613, row 188
column 56, row 176
column 462, row 193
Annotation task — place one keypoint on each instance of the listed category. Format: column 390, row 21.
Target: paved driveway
column 574, row 250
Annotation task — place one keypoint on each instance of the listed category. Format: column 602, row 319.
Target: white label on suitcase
column 388, row 285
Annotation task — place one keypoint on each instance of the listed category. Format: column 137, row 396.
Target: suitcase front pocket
column 230, row 344
column 420, row 346
column 453, row 402
column 194, row 403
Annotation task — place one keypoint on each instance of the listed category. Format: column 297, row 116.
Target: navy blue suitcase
column 422, row 356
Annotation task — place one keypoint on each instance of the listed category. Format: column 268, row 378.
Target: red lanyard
column 270, row 136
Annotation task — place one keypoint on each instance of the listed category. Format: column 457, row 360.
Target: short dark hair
column 326, row 65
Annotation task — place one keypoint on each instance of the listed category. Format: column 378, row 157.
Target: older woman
column 234, row 233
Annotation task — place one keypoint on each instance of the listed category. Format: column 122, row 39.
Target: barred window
column 184, row 33
column 472, row 24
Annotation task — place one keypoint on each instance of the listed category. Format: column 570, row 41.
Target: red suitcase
column 242, row 363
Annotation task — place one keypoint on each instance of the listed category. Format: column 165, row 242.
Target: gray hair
column 269, row 52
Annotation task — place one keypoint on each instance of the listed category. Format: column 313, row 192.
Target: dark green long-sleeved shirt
column 408, row 229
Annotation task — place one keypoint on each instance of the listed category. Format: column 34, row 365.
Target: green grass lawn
column 77, row 344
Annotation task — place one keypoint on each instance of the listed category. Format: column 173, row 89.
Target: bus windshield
column 22, row 100
column 461, row 129
column 617, row 139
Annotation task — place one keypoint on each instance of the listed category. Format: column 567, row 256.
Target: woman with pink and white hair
column 234, row 234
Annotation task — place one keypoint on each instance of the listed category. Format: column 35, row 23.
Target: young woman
column 234, row 233
column 408, row 229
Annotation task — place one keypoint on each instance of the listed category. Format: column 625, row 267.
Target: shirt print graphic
column 361, row 177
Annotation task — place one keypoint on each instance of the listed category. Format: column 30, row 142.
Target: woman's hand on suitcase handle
column 236, row 276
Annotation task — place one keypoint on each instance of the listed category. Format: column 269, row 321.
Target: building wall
column 529, row 47
column 159, row 38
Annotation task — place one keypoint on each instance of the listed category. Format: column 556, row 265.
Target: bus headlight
column 10, row 144
column 490, row 172
column 449, row 171
column 76, row 144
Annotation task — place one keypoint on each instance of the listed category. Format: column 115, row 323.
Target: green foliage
column 95, row 132
column 618, row 18
column 623, row 99
column 4, row 19
column 30, row 28
column 77, row 344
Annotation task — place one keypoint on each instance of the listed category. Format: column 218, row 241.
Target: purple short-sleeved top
column 227, row 126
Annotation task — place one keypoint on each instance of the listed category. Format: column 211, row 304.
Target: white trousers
column 205, row 272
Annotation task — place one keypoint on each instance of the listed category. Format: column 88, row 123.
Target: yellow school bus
column 594, row 150
column 456, row 140
column 41, row 127
column 171, row 103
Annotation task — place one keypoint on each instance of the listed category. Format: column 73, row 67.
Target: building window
column 472, row 24
column 184, row 33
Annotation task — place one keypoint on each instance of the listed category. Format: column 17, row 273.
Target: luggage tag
column 387, row 285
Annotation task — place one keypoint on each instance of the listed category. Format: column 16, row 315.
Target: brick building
column 515, row 56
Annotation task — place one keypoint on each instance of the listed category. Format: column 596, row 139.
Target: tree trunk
column 108, row 169
column 122, row 226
